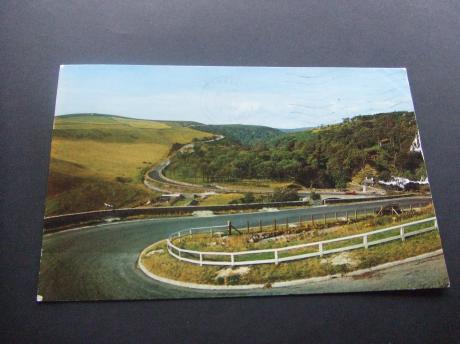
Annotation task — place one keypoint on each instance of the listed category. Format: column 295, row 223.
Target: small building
column 367, row 182
column 416, row 145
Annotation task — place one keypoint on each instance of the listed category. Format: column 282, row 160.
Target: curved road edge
column 298, row 282
column 155, row 173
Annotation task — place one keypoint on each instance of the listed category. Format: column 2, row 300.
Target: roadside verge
column 148, row 273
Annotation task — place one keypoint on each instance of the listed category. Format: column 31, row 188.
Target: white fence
column 275, row 255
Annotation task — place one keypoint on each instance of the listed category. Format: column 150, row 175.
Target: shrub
column 233, row 279
column 248, row 198
column 314, row 196
column 123, row 180
column 284, row 195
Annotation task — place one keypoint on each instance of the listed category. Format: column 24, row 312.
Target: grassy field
column 249, row 185
column 220, row 199
column 97, row 159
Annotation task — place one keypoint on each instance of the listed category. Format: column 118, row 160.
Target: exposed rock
column 203, row 213
column 343, row 258
column 243, row 270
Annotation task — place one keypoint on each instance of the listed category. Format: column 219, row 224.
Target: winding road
column 156, row 172
column 99, row 263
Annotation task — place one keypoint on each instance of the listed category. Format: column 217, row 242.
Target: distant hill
column 295, row 130
column 190, row 124
column 246, row 135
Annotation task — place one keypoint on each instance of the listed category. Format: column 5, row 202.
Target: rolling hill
column 97, row 159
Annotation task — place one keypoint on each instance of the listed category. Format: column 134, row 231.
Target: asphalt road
column 99, row 263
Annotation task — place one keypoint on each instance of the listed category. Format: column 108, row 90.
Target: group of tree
column 331, row 156
column 242, row 134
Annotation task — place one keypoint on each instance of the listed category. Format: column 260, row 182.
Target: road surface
column 99, row 263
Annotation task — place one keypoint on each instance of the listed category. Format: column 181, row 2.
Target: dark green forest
column 245, row 135
column 329, row 156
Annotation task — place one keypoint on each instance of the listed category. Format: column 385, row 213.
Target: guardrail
column 327, row 201
column 53, row 223
column 275, row 255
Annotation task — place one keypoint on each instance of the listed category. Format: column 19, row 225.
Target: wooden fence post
column 229, row 224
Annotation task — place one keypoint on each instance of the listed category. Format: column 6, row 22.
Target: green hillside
column 97, row 159
column 329, row 156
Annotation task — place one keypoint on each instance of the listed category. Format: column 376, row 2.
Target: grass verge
column 163, row 264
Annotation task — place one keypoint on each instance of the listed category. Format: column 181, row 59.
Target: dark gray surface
column 38, row 36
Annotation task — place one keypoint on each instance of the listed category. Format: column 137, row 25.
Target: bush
column 123, row 180
column 248, row 198
column 314, row 196
column 293, row 186
column 284, row 195
column 385, row 175
column 233, row 279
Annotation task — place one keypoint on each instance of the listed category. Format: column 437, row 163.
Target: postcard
column 203, row 181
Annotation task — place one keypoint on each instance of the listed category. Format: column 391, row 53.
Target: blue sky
column 279, row 97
